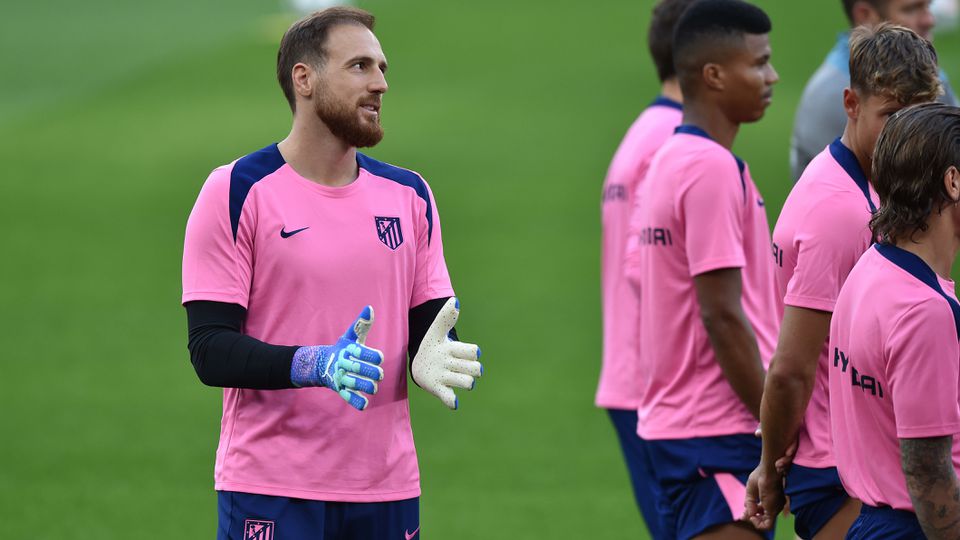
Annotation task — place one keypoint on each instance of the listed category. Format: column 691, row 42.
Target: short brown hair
column 305, row 39
column 894, row 62
column 916, row 147
column 660, row 35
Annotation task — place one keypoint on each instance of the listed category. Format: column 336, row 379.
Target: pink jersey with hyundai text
column 820, row 234
column 304, row 259
column 698, row 210
column 619, row 386
column 894, row 370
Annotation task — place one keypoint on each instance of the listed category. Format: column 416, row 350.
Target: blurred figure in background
column 620, row 377
column 822, row 231
column 820, row 117
column 707, row 321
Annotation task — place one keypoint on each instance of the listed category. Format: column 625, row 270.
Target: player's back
column 618, row 386
column 893, row 351
column 699, row 211
column 822, row 231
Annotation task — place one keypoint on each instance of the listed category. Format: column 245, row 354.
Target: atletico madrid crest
column 256, row 529
column 388, row 230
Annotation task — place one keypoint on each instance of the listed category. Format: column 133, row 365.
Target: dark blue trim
column 917, row 268
column 849, row 162
column 691, row 129
column 246, row 172
column 663, row 101
column 400, row 176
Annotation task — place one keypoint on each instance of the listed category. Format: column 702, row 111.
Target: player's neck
column 670, row 89
column 849, row 140
column 318, row 155
column 937, row 245
column 711, row 119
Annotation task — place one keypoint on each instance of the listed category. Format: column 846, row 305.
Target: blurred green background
column 111, row 115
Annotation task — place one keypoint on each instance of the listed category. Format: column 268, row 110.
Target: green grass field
column 112, row 114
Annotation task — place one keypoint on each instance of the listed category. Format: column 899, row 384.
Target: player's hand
column 442, row 364
column 786, row 460
column 347, row 367
column 764, row 497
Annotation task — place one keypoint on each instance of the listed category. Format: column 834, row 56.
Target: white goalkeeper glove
column 442, row 364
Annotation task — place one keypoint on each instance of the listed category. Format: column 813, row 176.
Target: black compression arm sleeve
column 222, row 356
column 420, row 319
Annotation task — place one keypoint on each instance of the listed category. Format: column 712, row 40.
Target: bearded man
column 283, row 248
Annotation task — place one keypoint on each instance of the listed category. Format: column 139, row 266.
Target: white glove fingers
column 467, row 367
column 446, row 319
column 446, row 395
column 457, row 380
column 466, row 351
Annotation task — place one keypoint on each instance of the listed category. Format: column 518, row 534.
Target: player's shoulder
column 698, row 159
column 247, row 170
column 393, row 173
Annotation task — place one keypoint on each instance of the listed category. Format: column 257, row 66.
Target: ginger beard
column 348, row 121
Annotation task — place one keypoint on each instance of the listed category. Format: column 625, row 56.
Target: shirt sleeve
column 712, row 210
column 431, row 280
column 827, row 249
column 217, row 266
column 923, row 370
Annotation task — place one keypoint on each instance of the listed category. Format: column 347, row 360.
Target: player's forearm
column 785, row 397
column 735, row 346
column 932, row 483
column 222, row 356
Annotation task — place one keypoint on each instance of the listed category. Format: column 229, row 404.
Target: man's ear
column 851, row 103
column 713, row 76
column 303, row 77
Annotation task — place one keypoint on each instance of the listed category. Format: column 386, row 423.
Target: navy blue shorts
column 816, row 495
column 885, row 523
column 244, row 516
column 703, row 480
column 645, row 490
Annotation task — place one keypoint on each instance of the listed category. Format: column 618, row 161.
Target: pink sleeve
column 825, row 256
column 923, row 370
column 215, row 267
column 432, row 279
column 712, row 209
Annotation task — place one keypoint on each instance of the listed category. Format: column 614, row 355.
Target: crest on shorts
column 257, row 529
column 388, row 230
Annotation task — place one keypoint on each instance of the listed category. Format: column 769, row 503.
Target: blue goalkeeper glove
column 347, row 367
column 442, row 364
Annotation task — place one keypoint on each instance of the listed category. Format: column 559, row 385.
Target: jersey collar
column 845, row 157
column 697, row 131
column 915, row 266
column 663, row 101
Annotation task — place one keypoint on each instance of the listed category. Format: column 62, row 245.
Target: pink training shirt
column 304, row 259
column 698, row 211
column 894, row 370
column 820, row 234
column 619, row 379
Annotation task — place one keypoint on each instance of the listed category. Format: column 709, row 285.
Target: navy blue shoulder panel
column 246, row 172
column 663, row 101
column 691, row 129
column 849, row 162
column 919, row 269
column 403, row 177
